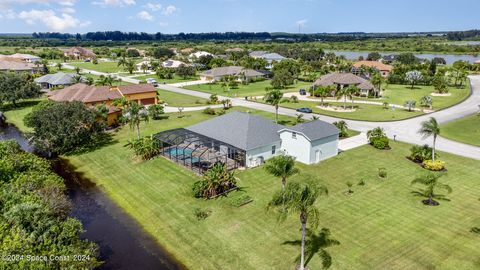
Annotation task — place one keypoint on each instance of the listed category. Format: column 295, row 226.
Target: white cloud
column 153, row 7
column 67, row 10
column 115, row 3
column 169, row 10
column 51, row 20
column 144, row 15
column 7, row 14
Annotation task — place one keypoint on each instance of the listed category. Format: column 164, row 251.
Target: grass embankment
column 381, row 226
column 250, row 90
column 465, row 130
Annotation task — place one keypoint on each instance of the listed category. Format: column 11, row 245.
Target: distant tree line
column 461, row 35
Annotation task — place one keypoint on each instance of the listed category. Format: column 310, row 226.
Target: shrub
column 436, row 165
column 222, row 112
column 475, row 230
column 201, row 214
column 421, row 153
column 382, row 173
column 361, row 182
column 380, row 143
column 217, row 180
column 294, row 99
column 213, row 99
column 209, row 111
column 240, row 200
column 155, row 111
column 145, row 148
column 349, row 186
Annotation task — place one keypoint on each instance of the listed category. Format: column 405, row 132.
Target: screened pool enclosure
column 198, row 152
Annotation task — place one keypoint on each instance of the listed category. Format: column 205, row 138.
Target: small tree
column 134, row 114
column 430, row 128
column 77, row 70
column 410, row 105
column 426, row 101
column 413, row 77
column 343, row 127
column 300, row 197
column 59, row 66
column 130, row 66
column 282, row 166
column 274, row 97
column 321, row 92
column 431, row 183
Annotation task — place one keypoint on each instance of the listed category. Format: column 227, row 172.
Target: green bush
column 145, row 148
column 209, row 111
column 201, row 214
column 381, row 143
column 240, row 200
column 436, row 165
column 382, row 173
column 421, row 153
column 156, row 111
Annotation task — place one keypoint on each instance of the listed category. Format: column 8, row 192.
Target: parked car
column 302, row 92
column 152, row 82
column 304, row 110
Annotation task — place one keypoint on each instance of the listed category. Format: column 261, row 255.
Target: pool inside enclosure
column 198, row 152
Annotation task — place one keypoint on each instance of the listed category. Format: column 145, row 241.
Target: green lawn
column 363, row 112
column 465, row 130
column 381, row 226
column 15, row 115
column 95, row 77
column 252, row 89
column 175, row 79
column 108, row 67
column 180, row 100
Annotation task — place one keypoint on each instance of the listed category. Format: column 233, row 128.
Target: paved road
column 404, row 130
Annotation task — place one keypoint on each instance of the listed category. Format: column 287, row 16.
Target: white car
column 152, row 81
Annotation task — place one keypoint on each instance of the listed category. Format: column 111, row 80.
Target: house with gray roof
column 269, row 57
column 345, row 79
column 241, row 73
column 57, row 80
column 246, row 140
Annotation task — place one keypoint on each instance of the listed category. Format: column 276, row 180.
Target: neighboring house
column 173, row 63
column 199, row 54
column 382, row 68
column 241, row 73
column 56, row 80
column 138, row 66
column 27, row 58
column 18, row 66
column 388, row 59
column 271, row 58
column 91, row 95
column 345, row 79
column 79, row 53
column 254, row 140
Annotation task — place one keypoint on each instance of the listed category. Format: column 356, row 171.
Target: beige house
column 341, row 80
column 241, row 73
column 79, row 53
column 384, row 69
column 18, row 66
column 27, row 58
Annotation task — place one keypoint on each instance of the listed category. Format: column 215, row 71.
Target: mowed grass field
column 465, row 130
column 180, row 100
column 249, row 90
column 107, row 67
column 381, row 226
column 175, row 79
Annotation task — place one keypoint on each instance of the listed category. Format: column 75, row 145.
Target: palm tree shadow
column 316, row 244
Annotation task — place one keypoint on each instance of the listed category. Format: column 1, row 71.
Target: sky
column 193, row 16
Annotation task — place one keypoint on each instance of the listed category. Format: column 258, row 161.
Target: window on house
column 294, row 135
column 274, row 149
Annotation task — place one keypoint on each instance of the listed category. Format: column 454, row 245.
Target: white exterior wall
column 305, row 151
column 298, row 148
column 327, row 147
column 253, row 155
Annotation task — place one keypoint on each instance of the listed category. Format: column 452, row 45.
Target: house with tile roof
column 360, row 66
column 90, row 95
column 241, row 73
column 79, row 53
column 341, row 80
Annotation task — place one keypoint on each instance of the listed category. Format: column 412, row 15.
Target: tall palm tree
column 377, row 81
column 352, row 90
column 343, row 92
column 130, row 66
column 282, row 166
column 430, row 128
column 122, row 62
column 274, row 97
column 431, row 182
column 144, row 67
column 134, row 114
column 300, row 198
column 322, row 92
column 105, row 80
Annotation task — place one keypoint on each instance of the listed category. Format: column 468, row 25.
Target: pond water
column 449, row 58
column 123, row 244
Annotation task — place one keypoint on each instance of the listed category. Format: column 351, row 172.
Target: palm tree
column 410, row 104
column 134, row 114
column 59, row 66
column 352, row 90
column 431, row 182
column 105, row 80
column 274, row 97
column 282, row 166
column 343, row 92
column 122, row 62
column 300, row 198
column 77, row 70
column 130, row 66
column 430, row 128
column 77, row 79
column 377, row 81
column 322, row 92
column 144, row 67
